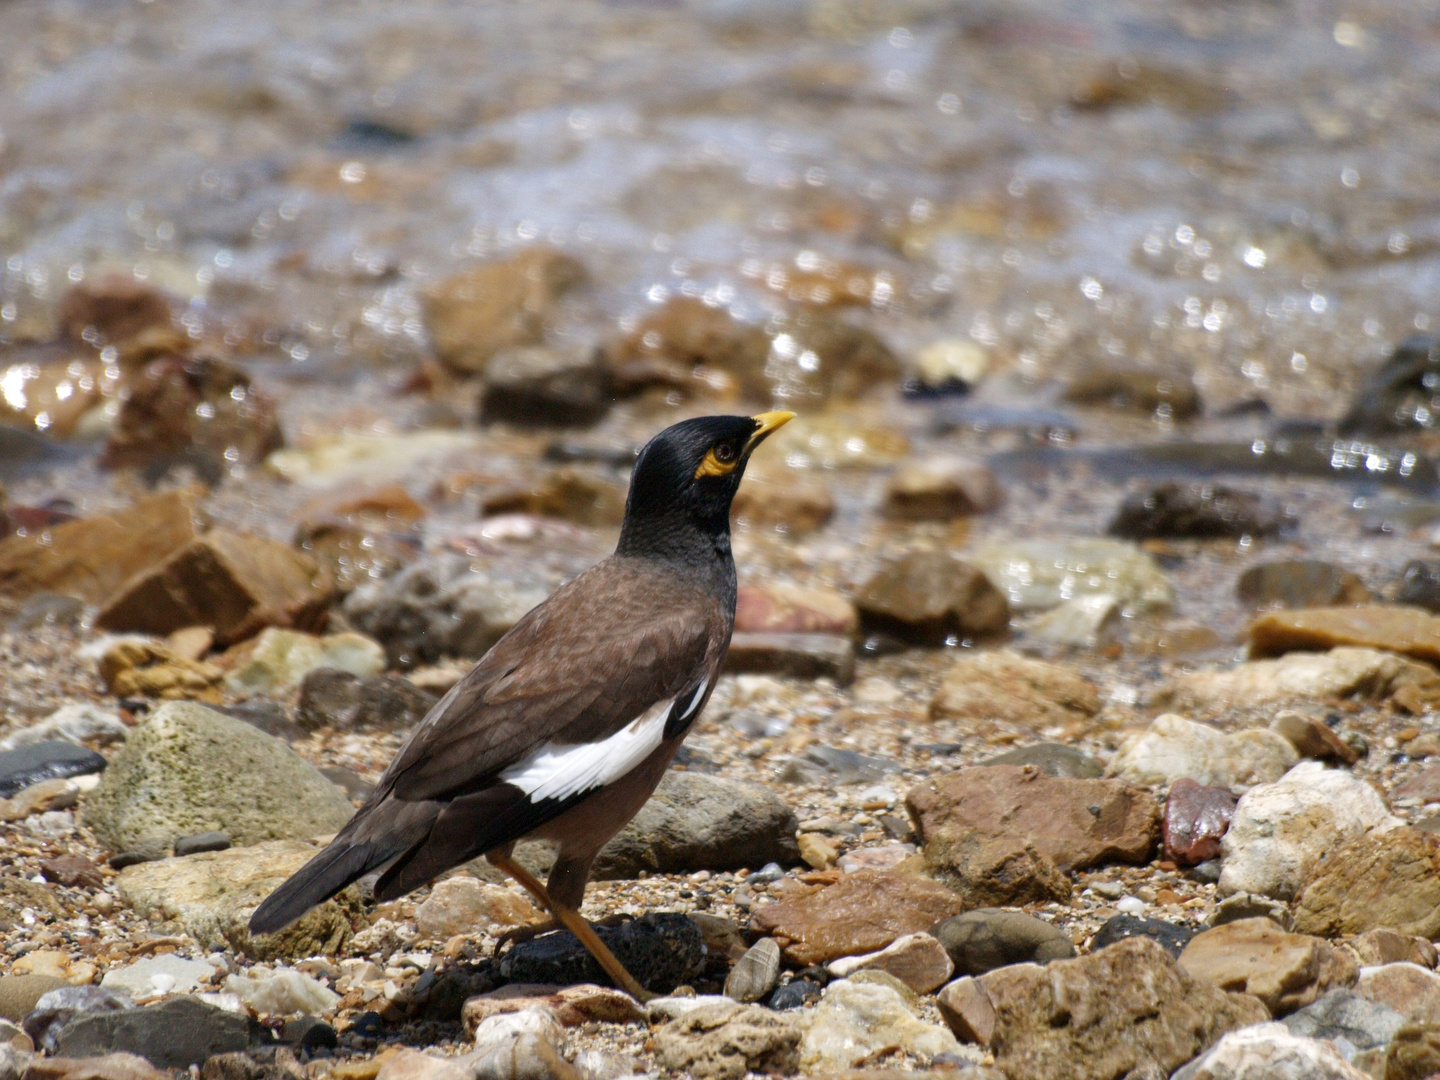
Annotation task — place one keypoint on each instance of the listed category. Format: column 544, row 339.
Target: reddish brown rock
column 793, row 609
column 1387, row 879
column 236, row 583
column 797, row 656
column 1313, row 738
column 682, row 335
column 111, row 309
column 1255, row 956
column 1004, row 686
column 862, row 913
column 1377, row 947
column 1423, row 787
column 928, row 596
column 1410, row 631
column 92, row 557
column 1196, row 818
column 941, row 489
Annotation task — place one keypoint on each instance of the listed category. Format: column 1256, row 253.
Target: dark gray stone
column 1170, row 937
column 337, row 699
column 205, row 841
column 1344, row 1014
column 1196, row 511
column 354, row 785
column 175, row 1034
column 1053, row 759
column 831, row 764
column 27, row 765
column 795, row 994
column 1300, row 583
column 698, row 822
column 267, row 716
column 1403, row 395
column 1420, row 585
column 57, row 1008
column 987, row 938
column 662, row 950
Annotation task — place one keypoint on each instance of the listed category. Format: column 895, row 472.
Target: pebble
column 988, row 938
column 206, row 841
column 1272, row 1052
column 755, row 974
column 274, row 663
column 795, row 994
column 855, row 1019
column 940, row 489
column 463, row 905
column 662, row 950
column 794, row 609
column 1196, row 511
column 19, row 993
column 1414, row 1053
column 1308, row 677
column 347, row 701
column 819, row 763
column 1419, row 585
column 1196, row 819
column 927, row 597
column 1173, row 748
column 282, row 992
column 1052, row 759
column 725, row 1042
column 1000, row 685
column 816, row 851
column 1286, row 971
column 81, row 723
column 571, row 1006
column 153, row 975
column 1313, row 738
column 1083, row 622
column 795, row 656
column 538, row 387
column 1036, row 575
column 1411, row 632
column 1168, row 936
column 32, row 763
column 919, row 961
column 1300, row 583
column 504, row 1028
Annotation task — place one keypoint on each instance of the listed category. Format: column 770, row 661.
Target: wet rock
column 796, row 656
column 1196, row 818
column 1076, row 824
column 571, row 1006
column 837, row 440
column 939, row 489
column 1168, row 936
column 1174, row 748
column 354, row 553
column 1098, row 1017
column 111, row 309
column 364, row 459
column 755, row 974
column 1313, row 738
column 793, row 609
column 282, row 993
column 1408, row 631
column 540, row 387
column 152, row 975
column 197, row 411
column 1344, row 1015
column 440, row 607
column 819, row 763
column 1419, row 586
column 919, row 961
column 1279, row 828
column 235, row 583
column 274, row 663
column 948, row 366
column 795, row 994
column 1408, row 989
column 1364, row 674
column 1036, row 575
column 929, row 596
column 342, row 700
column 1195, row 511
column 1300, row 583
column 1414, row 1053
column 1272, row 1052
column 1401, row 395
column 1052, row 759
column 1006, row 687
column 210, row 896
column 134, row 668
column 180, row 1032
column 90, row 558
column 862, row 913
column 81, row 723
column 48, row 609
column 497, row 305
column 187, row 769
column 75, row 871
column 781, row 503
column 19, row 993
column 463, row 905
column 979, row 941
column 1286, row 971
column 568, row 494
column 818, row 356
column 1388, row 879
column 856, row 1019
column 698, row 822
column 662, row 950
column 33, row 763
column 1082, row 623
column 206, row 841
column 1161, row 394
column 725, row 1042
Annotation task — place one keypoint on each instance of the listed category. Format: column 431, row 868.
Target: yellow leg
column 573, row 922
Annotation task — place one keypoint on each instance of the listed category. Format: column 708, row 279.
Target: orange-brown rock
column 793, row 609
column 134, row 669
column 1004, row 686
column 92, row 557
column 927, row 596
column 684, row 334
column 782, row 502
column 1256, row 956
column 111, row 309
column 236, row 583
column 1406, row 630
column 861, row 913
column 1388, row 879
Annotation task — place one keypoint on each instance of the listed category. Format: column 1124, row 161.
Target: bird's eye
column 726, row 452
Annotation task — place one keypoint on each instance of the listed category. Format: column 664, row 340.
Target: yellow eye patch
column 713, row 466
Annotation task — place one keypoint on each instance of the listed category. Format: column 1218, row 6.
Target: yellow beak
column 767, row 422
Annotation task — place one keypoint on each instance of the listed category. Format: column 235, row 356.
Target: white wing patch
column 560, row 770
column 689, row 711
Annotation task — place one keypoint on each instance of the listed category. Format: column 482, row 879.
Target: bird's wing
column 586, row 667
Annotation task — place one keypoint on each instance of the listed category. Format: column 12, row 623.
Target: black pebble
column 1170, row 937
column 205, row 841
column 27, row 765
column 794, row 994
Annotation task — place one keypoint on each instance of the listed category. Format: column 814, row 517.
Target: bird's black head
column 684, row 480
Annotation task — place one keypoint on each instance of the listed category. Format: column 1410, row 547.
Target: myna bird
column 564, row 728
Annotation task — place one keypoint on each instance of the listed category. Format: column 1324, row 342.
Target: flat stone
column 31, row 764
column 661, row 950
column 698, row 822
column 205, row 841
column 885, row 857
column 1035, row 575
column 1098, row 1017
column 1196, row 819
column 982, row 940
column 177, row 1033
column 343, row 700
column 235, row 583
column 928, row 596
column 1279, row 828
column 1137, row 390
column 817, row 852
column 854, row 1020
column 463, row 905
column 1286, row 971
column 1272, row 1052
column 1203, row 511
column 1409, row 989
column 1411, row 632
column 211, row 896
column 1340, row 674
column 153, row 975
column 1376, row 947
column 571, row 1006
column 91, row 558
column 118, row 1066
column 756, row 973
column 275, row 662
column 1052, row 759
column 820, row 764
column 1389, row 879
column 861, row 913
column 1313, row 738
column 720, row 1043
column 1082, row 622
column 918, row 960
column 77, row 723
column 987, row 687
column 188, row 769
column 1173, row 748
column 967, row 1010
column 57, row 1008
column 942, row 488
column 1300, row 583
column 794, row 609
column 796, row 656
column 1344, row 1015
column 1168, row 936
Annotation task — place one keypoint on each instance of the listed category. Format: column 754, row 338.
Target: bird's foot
column 520, row 934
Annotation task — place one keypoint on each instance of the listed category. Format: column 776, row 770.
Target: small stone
column 345, row 701
column 816, row 852
column 1003, row 686
column 34, row 763
column 940, row 488
column 1411, row 632
column 1409, row 989
column 988, row 938
column 756, row 973
column 75, row 871
column 781, row 503
column 236, row 583
column 1035, row 575
column 206, row 841
column 1286, row 971
column 886, row 857
column 463, row 905
column 571, row 1006
column 134, row 668
column 1414, row 1053
column 1397, row 397
column 1135, row 390
column 274, row 663
column 819, row 763
column 661, row 950
column 113, row 309
column 78, row 724
column 1375, row 947
column 856, row 1019
column 1344, row 1015
column 1052, row 759
column 1419, row 586
column 951, row 364
column 661, row 1009
column 792, row 609
column 153, row 975
column 1388, row 879
column 1084, row 622
column 283, row 992
column 533, row 386
column 1272, row 1052
column 172, row 1035
column 58, row 1007
column 190, row 642
column 795, row 994
column 1363, row 674
column 726, row 1043
column 1195, row 511
column 1196, row 819
column 1168, row 936
column 1243, row 905
column 967, row 1011
column 501, row 1029
column 1300, row 583
column 19, row 993
column 1313, row 739
column 1279, row 828
column 929, row 596
column 1174, row 748
column 796, row 656
column 863, row 912
column 917, row 960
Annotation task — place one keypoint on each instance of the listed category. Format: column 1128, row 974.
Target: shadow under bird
column 564, row 728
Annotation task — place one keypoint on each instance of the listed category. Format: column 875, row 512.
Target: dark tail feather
column 315, row 882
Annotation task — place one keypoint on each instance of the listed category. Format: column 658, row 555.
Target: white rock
column 1083, row 621
column 280, row 659
column 1342, row 672
column 283, row 993
column 659, row 1010
column 1173, row 748
column 917, row 960
column 73, row 723
column 1270, row 1052
column 157, row 975
column 1409, row 989
column 1278, row 828
column 855, row 1019
column 1039, row 574
column 504, row 1028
